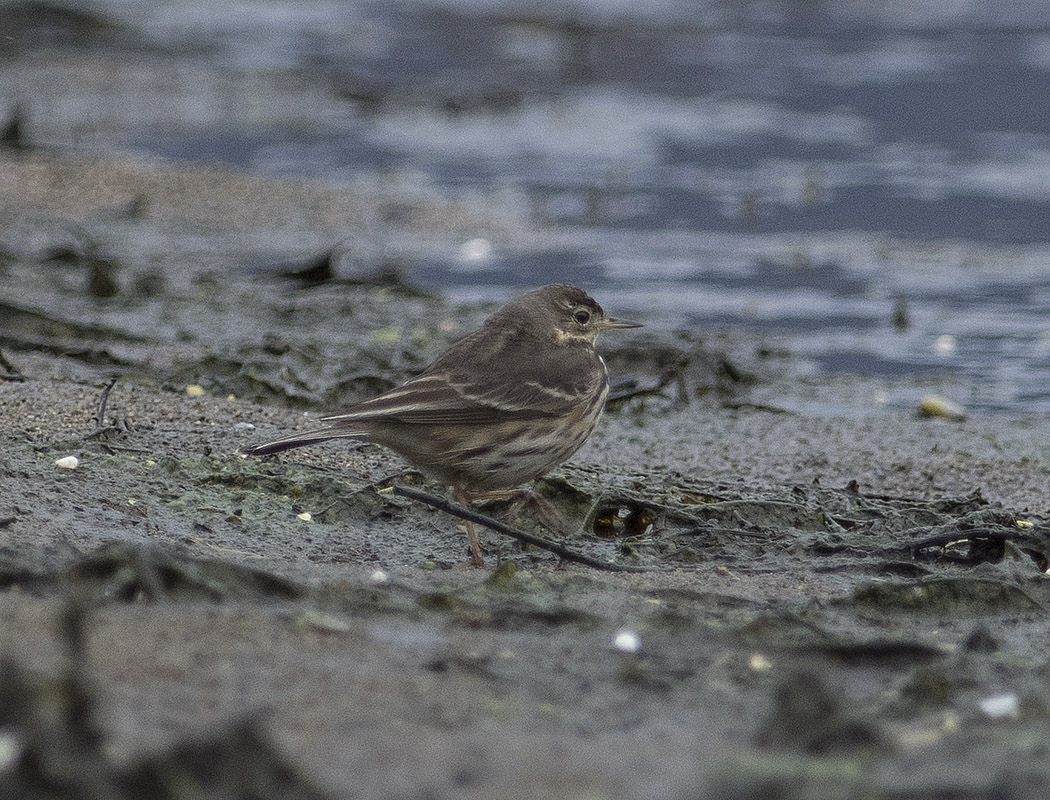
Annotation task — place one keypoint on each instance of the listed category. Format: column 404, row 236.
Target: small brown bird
column 501, row 407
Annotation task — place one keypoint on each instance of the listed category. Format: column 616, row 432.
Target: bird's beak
column 621, row 323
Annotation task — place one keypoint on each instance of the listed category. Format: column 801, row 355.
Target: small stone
column 323, row 623
column 391, row 333
column 945, row 345
column 759, row 663
column 68, row 462
column 306, row 516
column 933, row 405
column 627, row 641
column 11, row 749
column 1000, row 706
column 981, row 640
column 477, row 249
column 195, row 390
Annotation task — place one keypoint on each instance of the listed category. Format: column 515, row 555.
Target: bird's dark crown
column 558, row 312
column 567, row 311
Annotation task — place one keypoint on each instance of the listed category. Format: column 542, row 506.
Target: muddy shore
column 848, row 605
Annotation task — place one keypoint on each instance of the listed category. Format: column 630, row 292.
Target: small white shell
column 627, row 641
column 477, row 249
column 998, row 706
column 758, row 662
column 11, row 749
column 945, row 345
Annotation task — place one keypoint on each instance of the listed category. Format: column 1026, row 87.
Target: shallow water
column 795, row 169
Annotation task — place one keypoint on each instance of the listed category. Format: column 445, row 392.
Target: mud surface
column 838, row 606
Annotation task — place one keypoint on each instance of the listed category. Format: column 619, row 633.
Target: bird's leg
column 549, row 514
column 463, row 497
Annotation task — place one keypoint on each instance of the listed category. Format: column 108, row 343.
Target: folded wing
column 438, row 399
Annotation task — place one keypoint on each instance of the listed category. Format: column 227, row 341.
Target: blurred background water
column 866, row 183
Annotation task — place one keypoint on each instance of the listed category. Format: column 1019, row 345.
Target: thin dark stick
column 100, row 417
column 514, row 533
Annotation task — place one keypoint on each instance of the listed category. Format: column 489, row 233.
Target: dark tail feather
column 299, row 440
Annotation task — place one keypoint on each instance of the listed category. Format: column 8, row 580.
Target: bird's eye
column 582, row 316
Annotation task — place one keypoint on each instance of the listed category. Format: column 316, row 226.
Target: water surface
column 801, row 170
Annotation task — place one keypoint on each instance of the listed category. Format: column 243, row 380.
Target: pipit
column 499, row 408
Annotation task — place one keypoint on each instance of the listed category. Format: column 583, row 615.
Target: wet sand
column 795, row 636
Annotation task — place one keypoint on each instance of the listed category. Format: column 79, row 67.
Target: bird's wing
column 438, row 399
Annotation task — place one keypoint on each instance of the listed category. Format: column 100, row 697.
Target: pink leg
column 463, row 497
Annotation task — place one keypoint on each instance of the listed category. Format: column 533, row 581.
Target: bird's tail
column 301, row 440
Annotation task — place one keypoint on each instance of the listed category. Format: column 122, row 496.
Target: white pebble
column 759, row 663
column 998, row 706
column 11, row 748
column 945, row 345
column 378, row 576
column 478, row 249
column 69, row 462
column 627, row 641
column 306, row 516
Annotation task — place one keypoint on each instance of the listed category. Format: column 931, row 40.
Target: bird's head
column 573, row 314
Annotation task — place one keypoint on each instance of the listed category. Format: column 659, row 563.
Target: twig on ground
column 545, row 544
column 100, row 416
column 103, row 431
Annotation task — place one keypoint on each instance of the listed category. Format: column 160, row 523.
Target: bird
column 500, row 407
